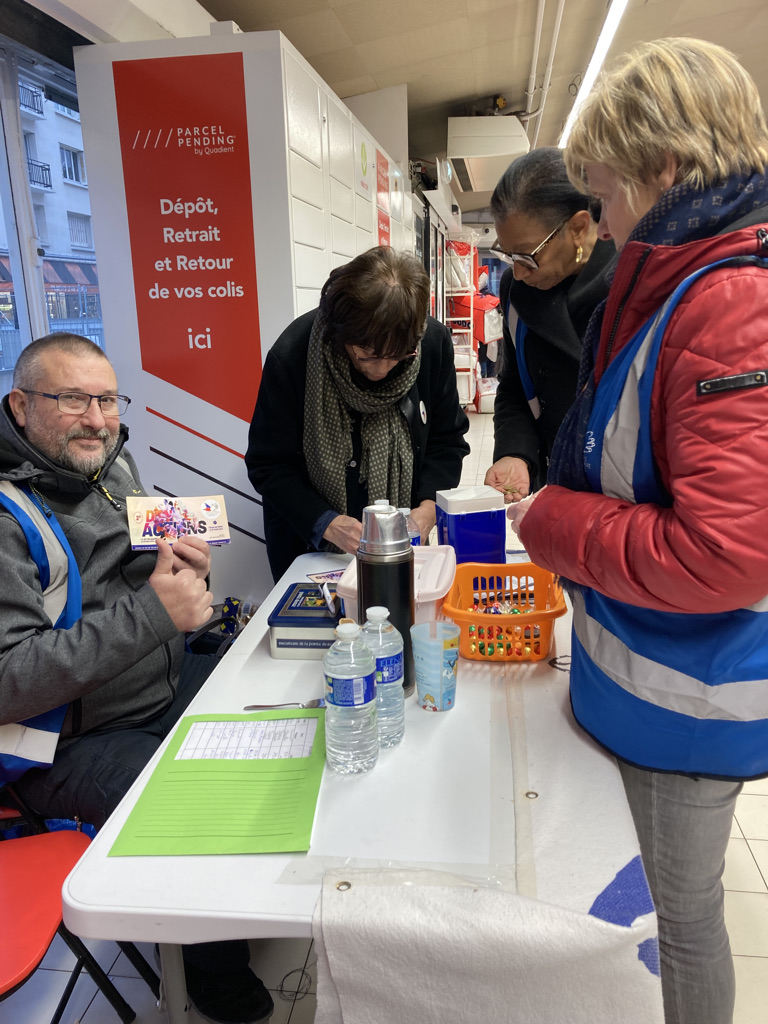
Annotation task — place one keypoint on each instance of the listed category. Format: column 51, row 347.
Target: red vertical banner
column 184, row 146
column 382, row 198
column 382, row 219
column 382, row 182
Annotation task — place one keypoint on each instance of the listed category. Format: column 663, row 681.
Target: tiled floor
column 287, row 966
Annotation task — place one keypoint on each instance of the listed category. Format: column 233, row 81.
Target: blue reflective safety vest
column 670, row 691
column 32, row 742
column 519, row 335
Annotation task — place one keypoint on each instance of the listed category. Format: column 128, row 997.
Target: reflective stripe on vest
column 32, row 742
column 671, row 691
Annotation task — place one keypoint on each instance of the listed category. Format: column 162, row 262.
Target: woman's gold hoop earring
column 579, row 254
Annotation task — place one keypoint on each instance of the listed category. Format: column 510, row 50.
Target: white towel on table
column 416, row 947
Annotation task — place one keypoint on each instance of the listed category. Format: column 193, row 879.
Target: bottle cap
column 381, row 501
column 347, row 630
column 384, row 531
column 378, row 613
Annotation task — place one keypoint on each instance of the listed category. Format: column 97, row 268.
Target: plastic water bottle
column 351, row 739
column 414, row 533
column 386, row 646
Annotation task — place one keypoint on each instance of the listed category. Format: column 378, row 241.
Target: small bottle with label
column 386, row 646
column 351, row 737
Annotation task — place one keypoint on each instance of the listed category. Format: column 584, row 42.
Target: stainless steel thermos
column 385, row 575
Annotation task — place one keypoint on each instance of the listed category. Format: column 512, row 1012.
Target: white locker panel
column 307, row 299
column 343, row 237
column 308, row 224
column 340, row 144
column 364, row 214
column 311, row 266
column 303, row 108
column 337, row 260
column 407, row 245
column 365, row 240
column 395, row 193
column 407, row 208
column 364, row 164
column 342, row 201
column 396, row 235
column 306, row 180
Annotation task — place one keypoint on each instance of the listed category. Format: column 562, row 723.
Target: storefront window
column 10, row 336
column 50, row 214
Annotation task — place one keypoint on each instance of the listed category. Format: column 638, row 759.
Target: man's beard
column 57, row 448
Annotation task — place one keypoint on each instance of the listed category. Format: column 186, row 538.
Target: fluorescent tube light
column 602, row 46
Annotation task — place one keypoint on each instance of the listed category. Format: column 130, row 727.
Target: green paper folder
column 231, row 784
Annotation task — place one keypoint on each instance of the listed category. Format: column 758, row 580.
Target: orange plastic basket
column 505, row 612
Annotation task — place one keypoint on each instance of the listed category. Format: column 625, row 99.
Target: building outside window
column 42, row 132
column 41, row 223
column 80, row 230
column 72, row 165
column 60, row 108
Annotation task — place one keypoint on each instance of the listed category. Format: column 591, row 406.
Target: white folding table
column 503, row 787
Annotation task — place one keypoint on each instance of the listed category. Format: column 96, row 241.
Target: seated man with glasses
column 117, row 669
column 357, row 402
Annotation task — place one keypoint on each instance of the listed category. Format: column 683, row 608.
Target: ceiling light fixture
column 604, row 40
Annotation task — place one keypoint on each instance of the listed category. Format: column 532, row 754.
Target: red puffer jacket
column 709, row 551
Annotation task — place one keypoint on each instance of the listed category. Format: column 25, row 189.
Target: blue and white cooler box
column 473, row 521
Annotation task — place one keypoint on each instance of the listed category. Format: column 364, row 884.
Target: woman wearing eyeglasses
column 558, row 274
column 357, row 402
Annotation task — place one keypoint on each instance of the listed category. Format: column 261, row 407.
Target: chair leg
column 141, row 966
column 123, row 1010
column 67, row 992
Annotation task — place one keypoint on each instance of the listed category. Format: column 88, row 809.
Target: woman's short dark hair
column 378, row 302
column 537, row 185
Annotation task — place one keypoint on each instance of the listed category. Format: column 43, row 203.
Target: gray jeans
column 683, row 825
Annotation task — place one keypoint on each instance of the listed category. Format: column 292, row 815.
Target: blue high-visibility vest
column 519, row 335
column 671, row 691
column 32, row 742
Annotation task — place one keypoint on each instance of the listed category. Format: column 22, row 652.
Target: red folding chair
column 32, row 872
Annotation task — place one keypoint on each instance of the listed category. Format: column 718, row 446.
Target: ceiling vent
column 481, row 148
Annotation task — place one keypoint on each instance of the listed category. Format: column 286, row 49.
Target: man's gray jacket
column 117, row 666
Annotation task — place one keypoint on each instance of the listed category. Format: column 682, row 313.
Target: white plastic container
column 473, row 521
column 434, row 566
column 471, row 498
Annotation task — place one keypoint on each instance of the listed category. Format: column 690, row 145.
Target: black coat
column 275, row 457
column 557, row 320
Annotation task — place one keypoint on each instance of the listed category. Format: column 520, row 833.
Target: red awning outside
column 62, row 275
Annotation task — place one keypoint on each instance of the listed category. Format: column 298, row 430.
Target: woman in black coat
column 558, row 274
column 357, row 402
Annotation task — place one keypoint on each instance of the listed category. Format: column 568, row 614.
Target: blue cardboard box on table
column 301, row 624
column 473, row 521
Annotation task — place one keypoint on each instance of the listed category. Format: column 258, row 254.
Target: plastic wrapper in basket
column 505, row 612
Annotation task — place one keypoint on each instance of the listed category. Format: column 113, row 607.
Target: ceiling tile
column 355, row 86
column 445, row 41
column 253, row 15
column 340, row 64
column 371, row 20
column 319, row 32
